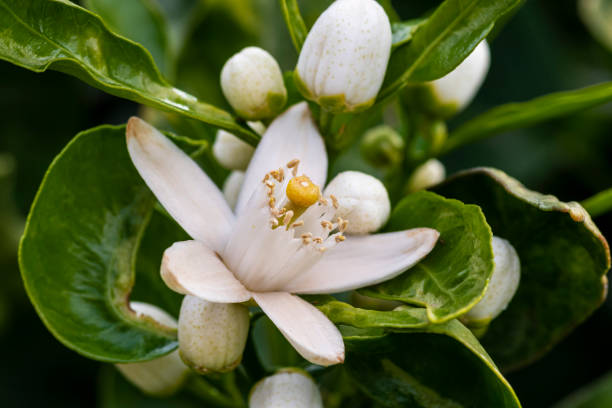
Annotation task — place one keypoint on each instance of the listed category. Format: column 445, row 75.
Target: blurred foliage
column 544, row 48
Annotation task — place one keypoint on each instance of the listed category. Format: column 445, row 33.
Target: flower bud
column 502, row 286
column 426, row 175
column 382, row 146
column 164, row 375
column 231, row 152
column 362, row 199
column 288, row 388
column 448, row 95
column 232, row 187
column 344, row 58
column 253, row 84
column 212, row 336
column 455, row 90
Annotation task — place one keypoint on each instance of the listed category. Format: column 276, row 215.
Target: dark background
column 545, row 48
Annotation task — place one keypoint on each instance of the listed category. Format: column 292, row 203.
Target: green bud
column 382, row 146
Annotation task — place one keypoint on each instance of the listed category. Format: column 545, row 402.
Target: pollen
column 302, row 192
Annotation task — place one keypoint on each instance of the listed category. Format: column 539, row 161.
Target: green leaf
column 440, row 366
column 295, row 23
column 595, row 395
column 343, row 313
column 563, row 256
column 597, row 15
column 453, row 277
column 273, row 350
column 60, row 35
column 443, row 41
column 160, row 234
column 517, row 115
column 79, row 249
column 404, row 30
column 599, row 204
column 140, row 21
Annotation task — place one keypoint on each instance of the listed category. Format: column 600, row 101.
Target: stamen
column 327, row 224
column 334, row 201
column 306, row 238
column 281, row 173
column 342, row 224
column 271, row 202
column 340, row 238
column 293, row 163
column 297, row 224
column 323, row 201
column 273, row 222
column 318, row 240
column 287, row 218
column 322, row 249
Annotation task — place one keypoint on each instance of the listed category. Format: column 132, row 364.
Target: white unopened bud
column 344, row 58
column 502, row 286
column 426, row 175
column 362, row 199
column 231, row 152
column 212, row 336
column 232, row 187
column 455, row 90
column 164, row 375
column 289, row 388
column 252, row 82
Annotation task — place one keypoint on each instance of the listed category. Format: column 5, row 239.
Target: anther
column 340, row 238
column 273, row 222
column 297, row 224
column 272, row 202
column 288, row 217
column 334, row 201
column 327, row 224
column 318, row 240
column 293, row 163
column 323, row 201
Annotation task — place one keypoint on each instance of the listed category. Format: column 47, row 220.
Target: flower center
column 286, row 229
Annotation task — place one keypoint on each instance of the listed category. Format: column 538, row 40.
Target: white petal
column 179, row 184
column 191, row 268
column 308, row 330
column 292, row 135
column 365, row 260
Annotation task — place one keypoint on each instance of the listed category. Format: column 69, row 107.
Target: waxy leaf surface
column 563, row 256
column 453, row 277
column 439, row 366
column 79, row 250
column 447, row 38
column 57, row 34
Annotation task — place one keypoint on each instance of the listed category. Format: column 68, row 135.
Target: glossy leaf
column 447, row 38
column 57, row 34
column 78, row 251
column 516, row 115
column 453, row 277
column 343, row 313
column 160, row 234
column 441, row 366
column 295, row 23
column 404, row 30
column 140, row 21
column 563, row 256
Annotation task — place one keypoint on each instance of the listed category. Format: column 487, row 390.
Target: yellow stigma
column 302, row 192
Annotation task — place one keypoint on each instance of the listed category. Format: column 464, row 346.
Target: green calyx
column 332, row 103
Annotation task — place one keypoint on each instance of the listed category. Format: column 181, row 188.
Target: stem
column 599, row 204
column 199, row 387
